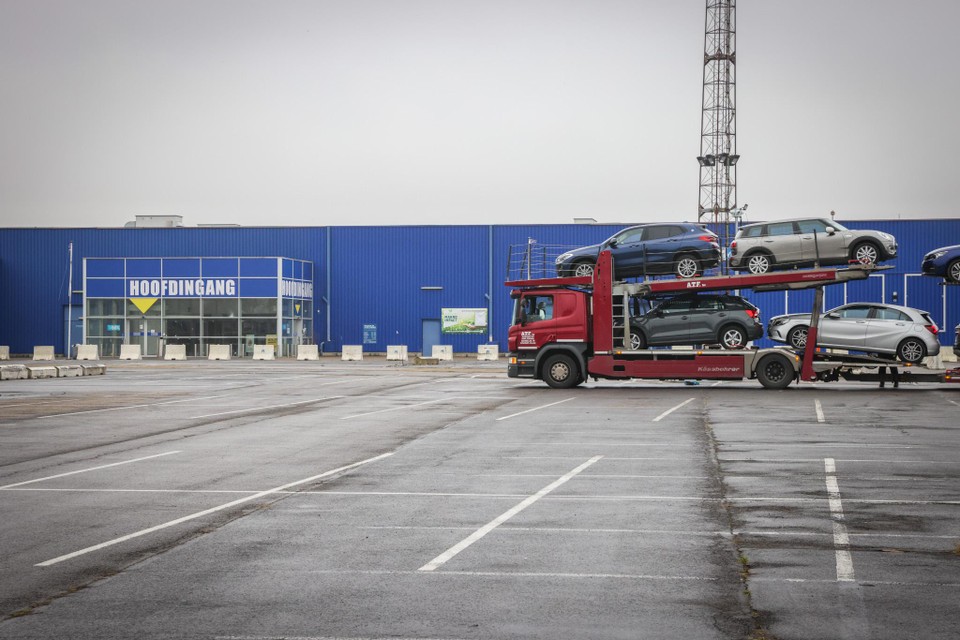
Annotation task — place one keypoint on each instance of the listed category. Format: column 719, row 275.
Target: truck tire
column 561, row 372
column 775, row 371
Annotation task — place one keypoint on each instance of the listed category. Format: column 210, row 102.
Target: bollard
column 43, row 354
column 397, row 352
column 219, row 352
column 442, row 352
column 352, row 352
column 130, row 352
column 87, row 352
column 488, row 352
column 175, row 352
column 308, row 352
column 264, row 352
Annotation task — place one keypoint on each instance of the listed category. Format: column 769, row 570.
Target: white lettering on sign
column 527, row 338
column 694, row 284
column 170, row 288
column 296, row 289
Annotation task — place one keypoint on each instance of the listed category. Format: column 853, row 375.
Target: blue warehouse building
column 374, row 286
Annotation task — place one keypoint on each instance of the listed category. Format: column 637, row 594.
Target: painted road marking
column 444, row 557
column 70, row 473
column 841, row 541
column 514, row 415
column 253, row 409
column 132, row 406
column 205, row 512
column 669, row 411
column 819, row 409
column 406, row 406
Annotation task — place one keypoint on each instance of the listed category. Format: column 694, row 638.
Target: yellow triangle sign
column 297, row 307
column 144, row 304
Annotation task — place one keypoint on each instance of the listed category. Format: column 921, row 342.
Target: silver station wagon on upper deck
column 762, row 246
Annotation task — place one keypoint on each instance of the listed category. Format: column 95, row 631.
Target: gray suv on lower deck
column 727, row 320
column 761, row 246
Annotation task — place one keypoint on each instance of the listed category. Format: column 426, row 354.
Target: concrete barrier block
column 69, row 371
column 442, row 352
column 264, row 352
column 175, row 352
column 4, row 352
column 38, row 372
column 219, row 352
column 308, row 352
column 488, row 352
column 130, row 352
column 13, row 372
column 43, row 354
column 93, row 369
column 397, row 352
column 352, row 352
column 87, row 352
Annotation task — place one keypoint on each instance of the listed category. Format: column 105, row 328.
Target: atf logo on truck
column 527, row 339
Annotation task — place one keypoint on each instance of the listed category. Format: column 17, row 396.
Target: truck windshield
column 533, row 308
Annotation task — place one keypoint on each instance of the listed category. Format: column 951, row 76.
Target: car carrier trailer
column 587, row 334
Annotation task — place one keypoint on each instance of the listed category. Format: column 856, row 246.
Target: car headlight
column 885, row 236
column 776, row 322
column 564, row 257
column 935, row 255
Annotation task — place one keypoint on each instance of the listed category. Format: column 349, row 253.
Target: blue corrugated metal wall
column 378, row 274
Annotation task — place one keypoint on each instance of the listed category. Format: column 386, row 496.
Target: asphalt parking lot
column 367, row 500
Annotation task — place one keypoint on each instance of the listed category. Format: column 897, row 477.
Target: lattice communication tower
column 718, row 124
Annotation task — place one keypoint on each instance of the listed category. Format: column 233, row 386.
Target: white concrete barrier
column 352, row 352
column 397, row 352
column 219, row 352
column 442, row 352
column 175, row 352
column 43, row 354
column 488, row 352
column 4, row 352
column 264, row 352
column 87, row 352
column 41, row 372
column 308, row 352
column 130, row 352
column 93, row 369
column 69, row 371
column 13, row 372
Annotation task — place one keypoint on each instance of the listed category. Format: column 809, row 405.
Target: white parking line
column 406, row 406
column 514, row 415
column 252, row 409
column 841, row 541
column 206, row 512
column 70, row 473
column 819, row 409
column 669, row 411
column 444, row 557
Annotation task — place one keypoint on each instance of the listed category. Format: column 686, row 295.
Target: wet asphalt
column 372, row 500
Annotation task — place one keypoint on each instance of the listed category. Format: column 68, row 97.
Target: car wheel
column 637, row 341
column 686, row 266
column 560, row 372
column 583, row 268
column 797, row 338
column 732, row 337
column 953, row 271
column 865, row 253
column 759, row 263
column 912, row 350
column 775, row 372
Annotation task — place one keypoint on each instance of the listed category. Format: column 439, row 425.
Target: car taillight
column 733, row 245
column 751, row 312
column 710, row 238
column 932, row 328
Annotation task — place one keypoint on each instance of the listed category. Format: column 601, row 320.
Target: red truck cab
column 551, row 324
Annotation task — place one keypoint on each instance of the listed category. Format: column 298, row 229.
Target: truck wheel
column 583, row 268
column 912, row 350
column 865, row 253
column 797, row 338
column 953, row 271
column 686, row 266
column 759, row 263
column 560, row 372
column 775, row 372
column 733, row 337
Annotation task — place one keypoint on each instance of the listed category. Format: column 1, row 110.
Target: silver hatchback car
column 761, row 246
column 884, row 329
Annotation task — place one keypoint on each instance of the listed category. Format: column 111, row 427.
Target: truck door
column 536, row 320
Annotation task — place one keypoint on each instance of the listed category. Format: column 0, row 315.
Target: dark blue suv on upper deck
column 683, row 249
column 943, row 262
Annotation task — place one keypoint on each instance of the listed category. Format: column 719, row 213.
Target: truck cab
column 551, row 324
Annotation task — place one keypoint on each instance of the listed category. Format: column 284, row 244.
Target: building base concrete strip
column 13, row 372
column 35, row 373
column 69, row 371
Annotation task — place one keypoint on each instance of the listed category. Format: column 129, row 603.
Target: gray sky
column 343, row 112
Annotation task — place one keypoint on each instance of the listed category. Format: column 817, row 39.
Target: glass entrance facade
column 198, row 302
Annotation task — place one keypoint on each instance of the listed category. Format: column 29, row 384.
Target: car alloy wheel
column 687, row 266
column 798, row 338
column 733, row 338
column 583, row 269
column 637, row 342
column 865, row 253
column 911, row 350
column 953, row 271
column 758, row 263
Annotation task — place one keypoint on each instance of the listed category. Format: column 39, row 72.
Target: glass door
column 146, row 333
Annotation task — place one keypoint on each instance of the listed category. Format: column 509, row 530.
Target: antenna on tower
column 718, row 123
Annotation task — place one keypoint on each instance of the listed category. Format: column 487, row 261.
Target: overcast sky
column 368, row 112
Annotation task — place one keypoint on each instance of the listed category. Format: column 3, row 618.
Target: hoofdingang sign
column 182, row 288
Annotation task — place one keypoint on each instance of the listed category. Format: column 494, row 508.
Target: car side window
column 709, row 303
column 856, row 312
column 676, row 306
column 780, row 229
column 882, row 313
column 751, row 232
column 630, row 236
column 657, row 233
column 812, row 226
